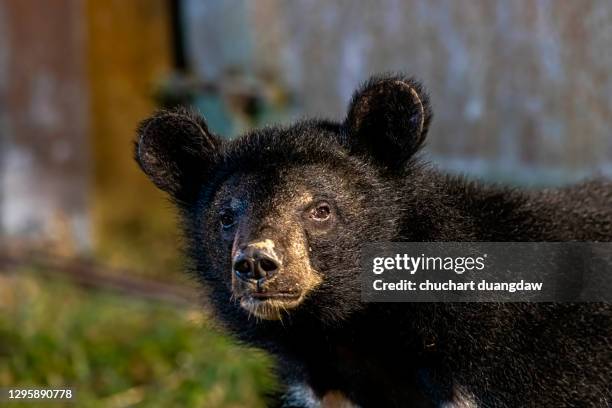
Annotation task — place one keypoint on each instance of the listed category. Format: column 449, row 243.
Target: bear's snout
column 270, row 279
column 257, row 262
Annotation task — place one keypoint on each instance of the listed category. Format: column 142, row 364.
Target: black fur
column 389, row 355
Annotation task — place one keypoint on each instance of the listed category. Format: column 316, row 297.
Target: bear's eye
column 227, row 219
column 321, row 212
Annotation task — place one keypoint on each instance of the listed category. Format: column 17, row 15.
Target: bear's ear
column 176, row 150
column 388, row 119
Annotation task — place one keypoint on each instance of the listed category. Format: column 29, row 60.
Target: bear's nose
column 255, row 265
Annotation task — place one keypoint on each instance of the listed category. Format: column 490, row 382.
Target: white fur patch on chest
column 461, row 399
column 302, row 395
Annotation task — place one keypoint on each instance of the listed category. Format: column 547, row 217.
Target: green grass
column 118, row 352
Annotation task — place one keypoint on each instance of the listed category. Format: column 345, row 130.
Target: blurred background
column 91, row 290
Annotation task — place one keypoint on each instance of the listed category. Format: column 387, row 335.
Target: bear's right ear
column 176, row 151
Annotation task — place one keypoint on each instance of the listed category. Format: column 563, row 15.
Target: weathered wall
column 43, row 122
column 76, row 77
column 520, row 88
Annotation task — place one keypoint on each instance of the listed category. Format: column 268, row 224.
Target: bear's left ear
column 388, row 119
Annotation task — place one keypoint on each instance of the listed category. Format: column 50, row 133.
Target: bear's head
column 275, row 219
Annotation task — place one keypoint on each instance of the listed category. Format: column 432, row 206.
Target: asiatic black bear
column 275, row 220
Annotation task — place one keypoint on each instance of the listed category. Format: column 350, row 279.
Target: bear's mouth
column 275, row 295
column 270, row 305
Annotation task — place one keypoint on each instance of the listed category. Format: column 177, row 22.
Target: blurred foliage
column 141, row 237
column 116, row 352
